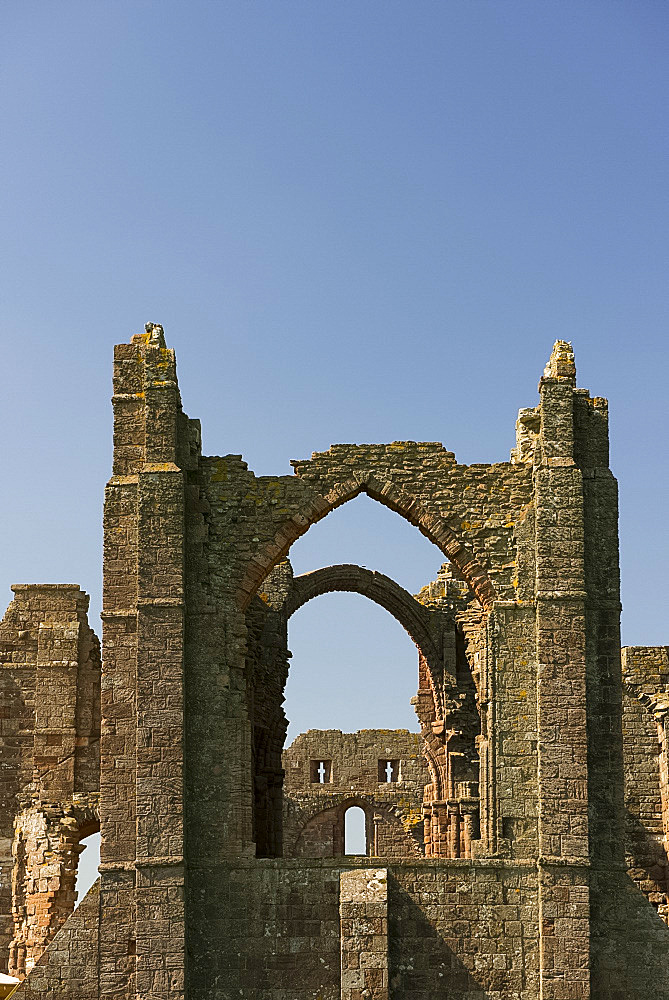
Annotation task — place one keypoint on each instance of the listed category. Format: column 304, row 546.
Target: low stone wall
column 272, row 931
column 459, row 929
column 363, row 912
column 454, row 929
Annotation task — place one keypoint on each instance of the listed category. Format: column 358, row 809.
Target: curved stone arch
column 432, row 750
column 340, row 802
column 87, row 814
column 349, row 578
column 434, row 527
column 343, row 801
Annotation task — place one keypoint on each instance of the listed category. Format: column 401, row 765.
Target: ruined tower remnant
column 515, row 850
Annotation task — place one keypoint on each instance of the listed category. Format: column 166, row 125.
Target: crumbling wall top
column 561, row 363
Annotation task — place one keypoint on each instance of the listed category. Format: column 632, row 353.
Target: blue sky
column 357, row 221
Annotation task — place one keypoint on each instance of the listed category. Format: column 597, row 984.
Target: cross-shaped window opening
column 388, row 770
column 321, row 772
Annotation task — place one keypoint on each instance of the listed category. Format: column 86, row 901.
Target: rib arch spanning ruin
column 516, row 849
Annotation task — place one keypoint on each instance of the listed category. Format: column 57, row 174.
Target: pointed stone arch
column 349, row 578
column 433, row 526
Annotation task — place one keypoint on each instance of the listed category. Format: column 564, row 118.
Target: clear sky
column 357, row 221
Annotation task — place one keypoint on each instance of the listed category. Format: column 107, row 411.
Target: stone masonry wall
column 462, row 929
column 280, row 926
column 49, row 780
column 240, row 526
column 645, row 707
column 266, row 673
column 451, row 726
column 354, row 768
column 458, row 929
column 234, row 509
column 516, row 534
column 629, row 941
column 142, row 870
column 69, row 969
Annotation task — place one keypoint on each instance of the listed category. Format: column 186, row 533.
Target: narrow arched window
column 355, row 833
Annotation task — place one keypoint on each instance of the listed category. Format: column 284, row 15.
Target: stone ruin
column 516, row 849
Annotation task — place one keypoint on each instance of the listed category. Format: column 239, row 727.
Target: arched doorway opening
column 334, row 759
column 355, row 831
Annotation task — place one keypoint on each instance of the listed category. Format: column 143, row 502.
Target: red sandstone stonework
column 516, row 848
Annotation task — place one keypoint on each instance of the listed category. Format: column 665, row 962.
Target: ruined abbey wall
column 382, row 772
column 518, row 887
column 50, row 774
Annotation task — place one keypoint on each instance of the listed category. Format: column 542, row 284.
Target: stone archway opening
column 355, row 831
column 50, row 836
column 344, row 760
column 444, row 800
column 277, row 589
column 377, row 765
column 364, row 532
